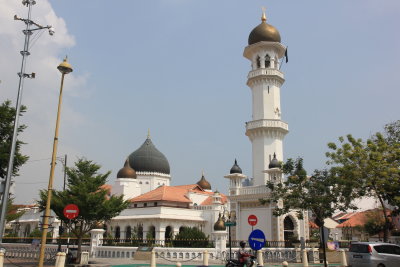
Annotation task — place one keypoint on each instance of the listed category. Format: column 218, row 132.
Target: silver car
column 373, row 254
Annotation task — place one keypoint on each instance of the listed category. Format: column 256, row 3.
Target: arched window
column 105, row 231
column 258, row 62
column 140, row 232
column 168, row 232
column 151, row 234
column 181, row 229
column 288, row 226
column 117, row 233
column 27, row 230
column 267, row 61
column 128, row 233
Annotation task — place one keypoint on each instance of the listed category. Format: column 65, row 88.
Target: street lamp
column 64, row 68
column 229, row 218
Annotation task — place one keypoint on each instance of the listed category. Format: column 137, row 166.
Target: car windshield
column 359, row 248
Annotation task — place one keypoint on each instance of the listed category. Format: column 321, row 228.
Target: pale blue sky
column 176, row 68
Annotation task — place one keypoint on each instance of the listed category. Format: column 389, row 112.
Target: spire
column 263, row 17
column 148, row 133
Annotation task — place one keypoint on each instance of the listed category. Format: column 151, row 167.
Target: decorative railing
column 269, row 72
column 178, row 243
column 30, row 240
column 251, row 190
column 267, row 123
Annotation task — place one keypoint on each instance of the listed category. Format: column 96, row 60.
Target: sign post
column 71, row 211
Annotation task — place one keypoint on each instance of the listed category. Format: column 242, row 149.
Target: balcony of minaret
column 264, row 123
column 266, row 72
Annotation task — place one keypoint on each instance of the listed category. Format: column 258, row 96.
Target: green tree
column 85, row 190
column 12, row 211
column 322, row 193
column 372, row 167
column 191, row 237
column 375, row 223
column 7, row 118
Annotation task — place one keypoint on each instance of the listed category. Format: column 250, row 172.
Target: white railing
column 270, row 72
column 251, row 190
column 267, row 123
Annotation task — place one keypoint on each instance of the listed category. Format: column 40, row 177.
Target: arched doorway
column 128, row 234
column 288, row 226
column 117, row 234
column 169, row 232
column 151, row 234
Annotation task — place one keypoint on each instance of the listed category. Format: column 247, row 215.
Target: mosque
column 158, row 210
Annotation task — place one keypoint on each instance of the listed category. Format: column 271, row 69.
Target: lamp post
column 229, row 220
column 64, row 68
column 29, row 30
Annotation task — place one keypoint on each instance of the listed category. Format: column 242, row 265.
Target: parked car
column 373, row 254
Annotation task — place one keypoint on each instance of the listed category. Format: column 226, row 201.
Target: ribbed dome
column 274, row 163
column 264, row 32
column 147, row 158
column 126, row 171
column 235, row 168
column 219, row 225
column 203, row 183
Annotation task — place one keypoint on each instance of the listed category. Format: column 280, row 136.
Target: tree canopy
column 85, row 189
column 372, row 167
column 7, row 118
column 322, row 193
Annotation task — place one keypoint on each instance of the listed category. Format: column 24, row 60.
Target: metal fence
column 31, row 240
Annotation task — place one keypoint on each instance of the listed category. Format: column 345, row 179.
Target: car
column 373, row 254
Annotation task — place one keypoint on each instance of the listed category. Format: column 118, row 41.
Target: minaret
column 266, row 130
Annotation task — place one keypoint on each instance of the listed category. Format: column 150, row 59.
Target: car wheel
column 381, row 265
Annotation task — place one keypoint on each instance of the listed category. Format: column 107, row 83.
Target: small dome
column 219, row 225
column 264, row 32
column 274, row 163
column 147, row 158
column 126, row 171
column 203, row 183
column 235, row 168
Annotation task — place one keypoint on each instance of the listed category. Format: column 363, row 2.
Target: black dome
column 235, row 168
column 147, row 158
column 274, row 163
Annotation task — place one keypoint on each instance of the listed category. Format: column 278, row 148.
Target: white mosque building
column 159, row 210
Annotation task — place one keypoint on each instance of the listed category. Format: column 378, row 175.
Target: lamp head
column 51, row 31
column 65, row 67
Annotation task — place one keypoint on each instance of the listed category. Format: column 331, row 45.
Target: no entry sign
column 252, row 220
column 71, row 211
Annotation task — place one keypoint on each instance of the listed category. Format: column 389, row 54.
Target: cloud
column 40, row 95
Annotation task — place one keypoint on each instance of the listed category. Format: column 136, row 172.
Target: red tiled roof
column 208, row 200
column 358, row 218
column 164, row 193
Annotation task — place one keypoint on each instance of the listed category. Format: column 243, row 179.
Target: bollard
column 343, row 259
column 153, row 259
column 260, row 260
column 178, row 264
column 205, row 258
column 285, row 264
column 298, row 254
column 304, row 258
column 60, row 259
column 1, row 258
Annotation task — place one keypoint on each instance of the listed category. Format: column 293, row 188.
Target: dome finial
column 148, row 133
column 263, row 17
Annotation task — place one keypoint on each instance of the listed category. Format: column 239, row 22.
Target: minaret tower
column 266, row 130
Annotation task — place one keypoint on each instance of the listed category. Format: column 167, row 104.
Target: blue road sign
column 256, row 239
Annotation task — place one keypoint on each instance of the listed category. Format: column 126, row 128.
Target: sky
column 176, row 67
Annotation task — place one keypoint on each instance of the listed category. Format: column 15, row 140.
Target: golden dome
column 203, row 183
column 127, row 171
column 219, row 225
column 264, row 32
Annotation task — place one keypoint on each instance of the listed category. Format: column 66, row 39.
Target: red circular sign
column 252, row 220
column 71, row 211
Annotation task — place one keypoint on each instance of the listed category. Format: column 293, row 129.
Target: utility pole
column 22, row 75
